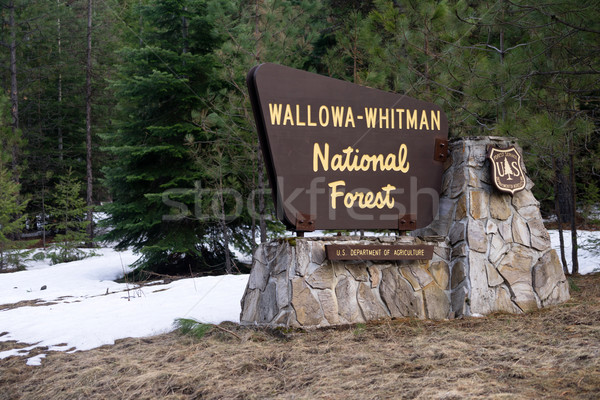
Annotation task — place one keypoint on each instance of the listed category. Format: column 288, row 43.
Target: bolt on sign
column 345, row 156
column 507, row 174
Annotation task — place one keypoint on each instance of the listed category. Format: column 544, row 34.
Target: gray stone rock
column 302, row 257
column 398, row 295
column 282, row 290
column 283, row 258
column 329, row 305
column 479, row 204
column 548, row 276
column 476, row 236
column 267, row 305
column 540, row 239
column 520, row 231
column 482, row 296
column 461, row 208
column 460, row 250
column 524, row 198
column 416, row 275
column 493, row 277
column 515, row 267
column 477, row 155
column 530, row 212
column 497, row 249
column 458, row 301
column 358, row 271
column 504, row 302
column 307, row 307
column 457, row 233
column 458, row 273
column 250, row 306
column 474, row 179
column 437, row 303
column 491, row 228
column 321, row 278
column 499, row 206
column 346, row 293
column 369, row 303
column 441, row 274
column 259, row 275
column 505, row 230
column 317, row 253
column 375, row 275
column 458, row 183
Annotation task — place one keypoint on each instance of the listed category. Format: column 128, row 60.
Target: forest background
column 139, row 109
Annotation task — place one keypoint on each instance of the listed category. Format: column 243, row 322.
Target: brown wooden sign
column 378, row 252
column 507, row 174
column 344, row 156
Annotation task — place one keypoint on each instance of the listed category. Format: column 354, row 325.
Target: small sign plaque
column 507, row 174
column 378, row 252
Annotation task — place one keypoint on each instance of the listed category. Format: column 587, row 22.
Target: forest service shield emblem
column 507, row 174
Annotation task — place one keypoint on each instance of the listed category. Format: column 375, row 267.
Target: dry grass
column 551, row 353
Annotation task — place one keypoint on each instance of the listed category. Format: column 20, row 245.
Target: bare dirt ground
column 547, row 354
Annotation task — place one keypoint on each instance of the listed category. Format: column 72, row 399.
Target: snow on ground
column 86, row 309
column 83, row 308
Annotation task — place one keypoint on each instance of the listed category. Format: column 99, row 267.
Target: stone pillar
column 501, row 258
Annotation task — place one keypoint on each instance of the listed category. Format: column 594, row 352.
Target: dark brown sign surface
column 507, row 174
column 344, row 156
column 378, row 252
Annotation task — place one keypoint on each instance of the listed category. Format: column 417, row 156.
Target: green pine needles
column 68, row 220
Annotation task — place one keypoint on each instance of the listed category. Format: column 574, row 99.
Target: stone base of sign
column 492, row 253
column 501, row 258
column 292, row 284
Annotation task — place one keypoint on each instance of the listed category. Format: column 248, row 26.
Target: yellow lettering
column 435, row 120
column 334, row 192
column 349, row 118
column 275, row 113
column 386, row 118
column 308, row 121
column 337, row 113
column 288, row 115
column 323, row 116
column 298, row 122
column 371, row 116
column 424, row 121
column 411, row 120
column 319, row 156
column 400, row 111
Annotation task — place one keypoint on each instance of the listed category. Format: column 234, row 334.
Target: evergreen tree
column 159, row 86
column 12, row 217
column 68, row 212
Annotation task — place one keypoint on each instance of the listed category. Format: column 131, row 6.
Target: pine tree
column 160, row 85
column 12, row 221
column 12, row 217
column 68, row 212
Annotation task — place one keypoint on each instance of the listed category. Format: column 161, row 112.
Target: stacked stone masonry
column 492, row 253
column 297, row 286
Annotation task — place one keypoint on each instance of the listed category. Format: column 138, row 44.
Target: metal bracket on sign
column 441, row 150
column 407, row 222
column 305, row 222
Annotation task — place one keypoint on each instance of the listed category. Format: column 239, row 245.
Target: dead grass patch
column 552, row 353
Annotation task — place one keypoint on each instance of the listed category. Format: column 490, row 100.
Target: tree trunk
column 88, row 126
column 563, row 257
column 261, row 199
column 60, row 122
column 575, row 269
column 14, row 93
